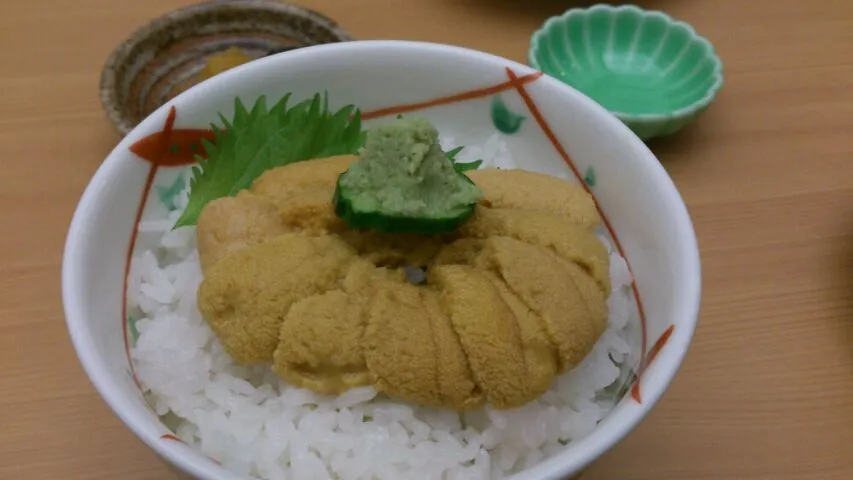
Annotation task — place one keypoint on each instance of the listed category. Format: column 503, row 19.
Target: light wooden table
column 767, row 389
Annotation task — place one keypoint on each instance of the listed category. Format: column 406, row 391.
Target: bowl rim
column 108, row 81
column 587, row 450
column 684, row 112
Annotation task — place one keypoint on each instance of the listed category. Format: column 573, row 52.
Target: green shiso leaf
column 452, row 153
column 261, row 138
column 464, row 167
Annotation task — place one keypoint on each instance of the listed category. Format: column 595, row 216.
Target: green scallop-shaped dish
column 654, row 73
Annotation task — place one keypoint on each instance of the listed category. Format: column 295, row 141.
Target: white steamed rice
column 256, row 424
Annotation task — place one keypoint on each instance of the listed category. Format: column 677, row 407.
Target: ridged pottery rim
column 684, row 112
column 109, row 79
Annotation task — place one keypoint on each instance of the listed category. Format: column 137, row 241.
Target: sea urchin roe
column 456, row 386
column 394, row 249
column 285, row 184
column 569, row 241
column 246, row 294
column 303, row 191
column 294, row 197
column 487, row 331
column 512, row 298
column 320, row 344
column 571, row 306
column 532, row 191
column 229, row 224
column 398, row 346
column 404, row 183
column 540, row 355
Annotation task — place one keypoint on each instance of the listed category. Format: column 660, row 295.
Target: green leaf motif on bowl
column 589, row 176
column 169, row 194
column 131, row 328
column 504, row 119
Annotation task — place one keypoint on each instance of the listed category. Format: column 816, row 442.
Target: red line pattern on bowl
column 459, row 97
column 175, row 148
column 648, row 359
column 173, row 438
column 546, row 128
column 169, row 436
column 163, row 144
column 155, row 149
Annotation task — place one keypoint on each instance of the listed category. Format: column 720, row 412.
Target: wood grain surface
column 766, row 392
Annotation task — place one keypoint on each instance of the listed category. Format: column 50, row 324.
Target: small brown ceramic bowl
column 168, row 55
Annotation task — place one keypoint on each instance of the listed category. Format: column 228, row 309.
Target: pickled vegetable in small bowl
column 654, row 73
column 191, row 44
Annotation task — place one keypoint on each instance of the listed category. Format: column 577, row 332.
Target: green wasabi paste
column 403, row 182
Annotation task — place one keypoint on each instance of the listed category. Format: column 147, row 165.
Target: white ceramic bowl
column 547, row 125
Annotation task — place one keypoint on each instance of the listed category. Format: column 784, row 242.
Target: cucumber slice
column 361, row 213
